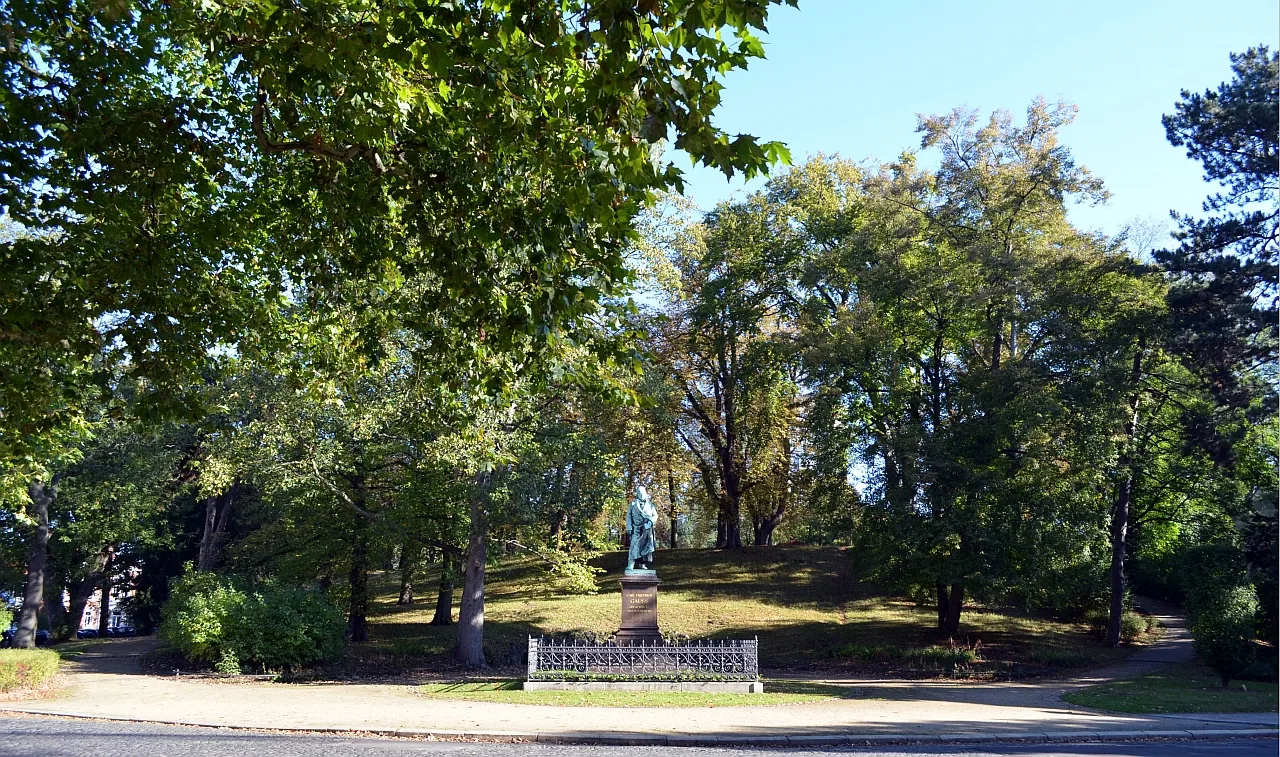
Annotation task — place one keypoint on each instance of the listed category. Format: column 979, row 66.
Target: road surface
column 51, row 737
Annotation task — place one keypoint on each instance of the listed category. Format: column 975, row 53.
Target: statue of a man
column 642, row 516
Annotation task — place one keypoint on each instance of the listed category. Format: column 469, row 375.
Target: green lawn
column 805, row 604
column 509, row 692
column 1189, row 687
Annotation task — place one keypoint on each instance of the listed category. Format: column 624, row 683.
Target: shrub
column 1132, row 625
column 1223, row 633
column 25, row 668
column 573, row 574
column 947, row 658
column 220, row 621
column 6, row 617
column 1209, row 573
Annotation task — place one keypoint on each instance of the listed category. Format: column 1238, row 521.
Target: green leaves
column 209, row 178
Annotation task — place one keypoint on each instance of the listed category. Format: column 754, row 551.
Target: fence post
column 533, row 656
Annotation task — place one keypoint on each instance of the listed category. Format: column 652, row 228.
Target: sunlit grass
column 803, row 603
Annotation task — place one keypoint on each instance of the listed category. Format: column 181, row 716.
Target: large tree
column 722, row 345
column 936, row 305
column 184, row 174
column 1223, row 301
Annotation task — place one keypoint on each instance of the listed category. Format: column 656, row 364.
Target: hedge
column 26, row 668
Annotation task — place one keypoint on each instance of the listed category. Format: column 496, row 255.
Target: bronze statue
column 642, row 517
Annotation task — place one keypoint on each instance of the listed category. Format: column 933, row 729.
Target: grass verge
column 26, row 668
column 1187, row 687
column 509, row 692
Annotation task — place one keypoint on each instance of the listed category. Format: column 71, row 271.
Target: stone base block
column 709, row 687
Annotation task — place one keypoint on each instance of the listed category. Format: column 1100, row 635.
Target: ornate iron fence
column 712, row 659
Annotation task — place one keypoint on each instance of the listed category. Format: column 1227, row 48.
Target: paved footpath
column 106, row 684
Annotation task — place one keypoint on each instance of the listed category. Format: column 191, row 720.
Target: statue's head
column 642, row 493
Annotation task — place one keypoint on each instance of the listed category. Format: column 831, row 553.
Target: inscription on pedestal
column 639, row 610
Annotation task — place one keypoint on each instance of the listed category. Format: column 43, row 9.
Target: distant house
column 120, row 592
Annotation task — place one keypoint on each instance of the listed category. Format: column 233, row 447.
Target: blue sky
column 849, row 77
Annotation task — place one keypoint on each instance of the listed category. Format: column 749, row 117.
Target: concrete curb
column 616, row 738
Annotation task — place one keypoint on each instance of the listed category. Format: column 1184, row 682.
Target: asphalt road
column 48, row 737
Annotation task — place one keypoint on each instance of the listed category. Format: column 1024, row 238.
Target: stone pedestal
column 639, row 608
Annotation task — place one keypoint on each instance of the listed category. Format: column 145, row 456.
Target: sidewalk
column 101, row 688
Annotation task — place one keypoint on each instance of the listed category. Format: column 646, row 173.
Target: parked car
column 42, row 638
column 87, row 633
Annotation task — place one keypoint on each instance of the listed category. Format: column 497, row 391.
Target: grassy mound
column 509, row 692
column 26, row 668
column 1189, row 687
column 807, row 605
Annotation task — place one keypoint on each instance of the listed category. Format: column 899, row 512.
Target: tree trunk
column 82, row 592
column 217, row 512
column 104, row 605
column 42, row 496
column 955, row 603
column 1124, row 501
column 203, row 557
column 55, row 611
column 470, row 649
column 729, row 523
column 768, row 523
column 444, row 599
column 408, row 563
column 674, row 512
column 765, row 527
column 944, row 607
column 358, row 608
column 733, row 534
column 1119, row 545
column 558, row 520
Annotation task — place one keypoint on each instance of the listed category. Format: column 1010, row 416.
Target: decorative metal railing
column 711, row 659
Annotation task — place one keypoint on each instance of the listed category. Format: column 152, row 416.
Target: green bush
column 218, row 620
column 1223, row 632
column 1209, row 573
column 25, row 668
column 949, row 659
column 1132, row 625
column 6, row 617
column 573, row 574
